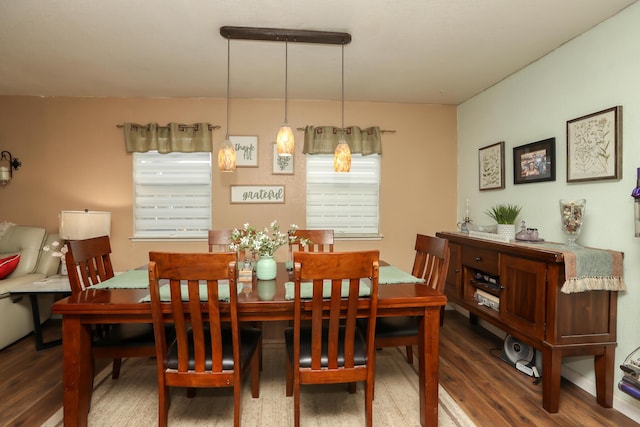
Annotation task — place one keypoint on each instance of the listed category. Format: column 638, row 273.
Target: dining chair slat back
column 200, row 307
column 431, row 263
column 89, row 263
column 219, row 240
column 321, row 241
column 325, row 346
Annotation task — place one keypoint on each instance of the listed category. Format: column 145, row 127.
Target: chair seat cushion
column 393, row 327
column 360, row 347
column 249, row 342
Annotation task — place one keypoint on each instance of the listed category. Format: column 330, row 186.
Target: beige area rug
column 132, row 399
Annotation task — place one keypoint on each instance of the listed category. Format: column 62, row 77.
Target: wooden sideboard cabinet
column 527, row 280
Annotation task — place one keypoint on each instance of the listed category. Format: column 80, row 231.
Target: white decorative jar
column 507, row 231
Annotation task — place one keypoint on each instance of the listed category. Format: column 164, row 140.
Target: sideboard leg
column 551, row 374
column 604, row 369
column 473, row 319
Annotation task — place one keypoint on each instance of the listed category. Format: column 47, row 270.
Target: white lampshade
column 80, row 225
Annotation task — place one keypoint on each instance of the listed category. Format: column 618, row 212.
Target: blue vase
column 266, row 268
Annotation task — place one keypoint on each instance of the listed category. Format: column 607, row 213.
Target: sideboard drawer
column 480, row 259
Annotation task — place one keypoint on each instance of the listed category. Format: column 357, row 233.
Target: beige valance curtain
column 175, row 137
column 324, row 139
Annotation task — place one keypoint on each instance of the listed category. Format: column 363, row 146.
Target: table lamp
column 80, row 225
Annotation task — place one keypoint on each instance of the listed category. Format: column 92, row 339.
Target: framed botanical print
column 491, row 166
column 594, row 146
column 282, row 165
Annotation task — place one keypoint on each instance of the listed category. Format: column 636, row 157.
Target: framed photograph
column 594, row 146
column 257, row 194
column 491, row 166
column 246, row 150
column 535, row 162
column 282, row 165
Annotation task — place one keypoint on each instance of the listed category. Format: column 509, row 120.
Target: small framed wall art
column 594, row 146
column 246, row 150
column 491, row 166
column 535, row 162
column 282, row 165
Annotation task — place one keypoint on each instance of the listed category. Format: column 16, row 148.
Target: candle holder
column 464, row 225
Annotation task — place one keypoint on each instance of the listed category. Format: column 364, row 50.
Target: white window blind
column 172, row 195
column 346, row 202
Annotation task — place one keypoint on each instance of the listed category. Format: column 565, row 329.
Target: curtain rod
column 211, row 127
column 381, row 130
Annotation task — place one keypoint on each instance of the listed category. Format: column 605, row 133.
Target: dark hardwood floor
column 490, row 391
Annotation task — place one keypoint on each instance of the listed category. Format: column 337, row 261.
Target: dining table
column 399, row 294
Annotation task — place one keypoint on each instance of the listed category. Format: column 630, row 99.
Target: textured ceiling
column 419, row 51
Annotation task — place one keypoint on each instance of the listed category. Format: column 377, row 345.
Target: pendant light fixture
column 284, row 140
column 227, row 153
column 342, row 155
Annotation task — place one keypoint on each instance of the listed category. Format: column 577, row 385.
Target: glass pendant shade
column 227, row 152
column 284, row 141
column 227, row 157
column 342, row 157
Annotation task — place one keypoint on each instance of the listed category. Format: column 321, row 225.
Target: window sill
column 359, row 237
column 168, row 239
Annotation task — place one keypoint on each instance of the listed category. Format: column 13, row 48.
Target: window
column 346, row 202
column 172, row 195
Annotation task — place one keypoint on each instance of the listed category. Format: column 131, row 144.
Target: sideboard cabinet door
column 522, row 300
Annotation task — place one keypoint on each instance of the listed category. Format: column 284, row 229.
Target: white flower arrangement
column 56, row 252
column 264, row 242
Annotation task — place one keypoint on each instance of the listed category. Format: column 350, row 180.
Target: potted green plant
column 505, row 215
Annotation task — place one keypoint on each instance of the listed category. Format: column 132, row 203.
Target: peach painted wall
column 73, row 157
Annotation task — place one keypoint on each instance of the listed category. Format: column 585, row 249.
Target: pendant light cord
column 286, row 85
column 343, row 89
column 228, row 67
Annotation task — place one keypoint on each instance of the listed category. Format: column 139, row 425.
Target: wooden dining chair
column 219, row 240
column 210, row 349
column 321, row 241
column 431, row 263
column 89, row 263
column 325, row 346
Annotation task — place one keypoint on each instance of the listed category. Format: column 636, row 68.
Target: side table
column 50, row 285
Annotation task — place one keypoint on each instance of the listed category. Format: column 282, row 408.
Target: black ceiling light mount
column 282, row 35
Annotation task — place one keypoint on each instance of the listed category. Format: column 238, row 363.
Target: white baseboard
column 621, row 405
